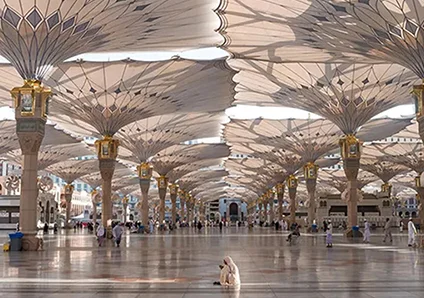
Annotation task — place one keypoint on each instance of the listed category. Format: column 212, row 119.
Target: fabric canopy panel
column 145, row 138
column 349, row 95
column 178, row 155
column 101, row 98
column 51, row 154
column 338, row 180
column 36, row 35
column 70, row 170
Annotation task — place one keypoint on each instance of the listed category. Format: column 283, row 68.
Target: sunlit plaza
column 213, row 148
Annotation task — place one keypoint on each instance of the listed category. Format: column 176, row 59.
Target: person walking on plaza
column 367, row 232
column 412, row 231
column 220, row 226
column 117, row 233
column 401, row 226
column 151, row 227
column 387, row 231
column 101, row 234
column 329, row 232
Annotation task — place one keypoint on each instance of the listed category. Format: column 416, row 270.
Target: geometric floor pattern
column 184, row 264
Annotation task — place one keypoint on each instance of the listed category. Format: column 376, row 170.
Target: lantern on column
column 31, row 100
column 162, row 182
column 292, row 182
column 350, row 147
column 69, row 189
column 107, row 148
column 173, row 189
column 125, row 200
column 386, row 187
column 280, row 188
column 310, row 171
column 418, row 93
column 145, row 171
column 417, row 181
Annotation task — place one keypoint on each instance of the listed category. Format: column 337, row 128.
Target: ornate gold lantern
column 145, row 171
column 386, row 187
column 107, row 148
column 350, row 147
column 280, row 188
column 173, row 189
column 69, row 189
column 418, row 93
column 292, row 181
column 310, row 171
column 32, row 99
column 270, row 194
column 162, row 182
column 125, row 200
column 417, row 181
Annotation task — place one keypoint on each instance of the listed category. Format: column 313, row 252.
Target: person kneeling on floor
column 229, row 274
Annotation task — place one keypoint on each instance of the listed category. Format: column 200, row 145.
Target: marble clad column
column 173, row 191
column 420, row 191
column 350, row 148
column 125, row 201
column 107, row 168
column 68, row 192
column 162, row 187
column 311, row 185
column 280, row 196
column 271, row 206
column 292, row 183
column 144, row 186
column 260, row 213
column 31, row 115
column 94, row 212
column 182, row 207
column 145, row 171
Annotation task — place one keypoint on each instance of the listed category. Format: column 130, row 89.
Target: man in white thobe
column 367, row 232
column 411, row 233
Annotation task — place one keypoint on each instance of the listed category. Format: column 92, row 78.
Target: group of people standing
column 117, row 231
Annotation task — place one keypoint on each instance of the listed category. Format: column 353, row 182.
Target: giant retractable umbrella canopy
column 374, row 161
column 34, row 36
column 410, row 155
column 310, row 139
column 99, row 99
column 179, row 155
column 69, row 171
column 144, row 139
column 349, row 95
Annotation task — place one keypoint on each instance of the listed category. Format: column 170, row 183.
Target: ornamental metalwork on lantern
column 270, row 194
column 125, row 200
column 173, row 189
column 32, row 99
column 107, row 148
column 145, row 171
column 162, row 182
column 386, row 188
column 69, row 189
column 310, row 171
column 350, row 147
column 418, row 93
column 280, row 188
column 292, row 182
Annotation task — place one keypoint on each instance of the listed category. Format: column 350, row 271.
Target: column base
column 31, row 243
column 350, row 233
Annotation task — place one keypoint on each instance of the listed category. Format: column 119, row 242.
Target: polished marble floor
column 185, row 264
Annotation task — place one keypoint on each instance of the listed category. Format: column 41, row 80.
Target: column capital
column 145, row 171
column 292, row 182
column 310, row 171
column 350, row 147
column 107, row 148
column 162, row 182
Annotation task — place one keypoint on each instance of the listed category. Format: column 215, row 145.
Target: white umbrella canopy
column 100, row 98
column 70, row 170
column 62, row 29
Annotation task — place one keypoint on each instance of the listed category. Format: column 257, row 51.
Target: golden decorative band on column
column 280, row 188
column 310, row 170
column 173, row 189
column 107, row 148
column 162, row 182
column 145, row 171
column 292, row 181
column 270, row 194
column 30, row 97
column 350, row 147
column 125, row 200
column 386, row 187
column 418, row 94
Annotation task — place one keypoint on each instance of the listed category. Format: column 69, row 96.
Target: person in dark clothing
column 220, row 225
column 199, row 225
column 296, row 232
column 46, row 228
